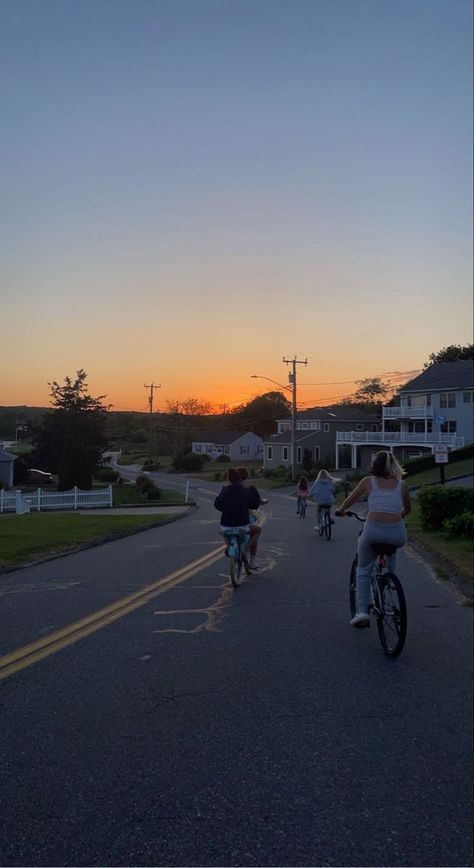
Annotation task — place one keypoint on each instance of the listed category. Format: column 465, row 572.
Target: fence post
column 39, row 500
column 187, row 490
column 111, row 502
column 1, row 500
column 75, row 497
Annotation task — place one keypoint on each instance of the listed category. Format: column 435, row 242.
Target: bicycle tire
column 392, row 620
column 353, row 588
column 302, row 509
column 327, row 526
column 235, row 568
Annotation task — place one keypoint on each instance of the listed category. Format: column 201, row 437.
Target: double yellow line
column 36, row 651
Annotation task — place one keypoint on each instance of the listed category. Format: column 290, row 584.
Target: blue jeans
column 375, row 532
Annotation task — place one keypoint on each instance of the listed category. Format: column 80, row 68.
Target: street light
column 260, row 377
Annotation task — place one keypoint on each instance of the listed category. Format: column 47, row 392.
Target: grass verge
column 457, row 468
column 456, row 554
column 30, row 537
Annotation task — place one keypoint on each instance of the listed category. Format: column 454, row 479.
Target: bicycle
column 325, row 527
column 237, row 540
column 301, row 507
column 387, row 599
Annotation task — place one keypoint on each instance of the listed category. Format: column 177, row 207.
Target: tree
column 453, row 353
column 260, row 414
column 185, row 420
column 70, row 439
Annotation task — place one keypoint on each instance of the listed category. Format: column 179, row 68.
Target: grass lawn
column 457, row 468
column 24, row 538
column 458, row 552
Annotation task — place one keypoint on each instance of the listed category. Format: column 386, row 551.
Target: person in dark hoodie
column 234, row 502
column 323, row 490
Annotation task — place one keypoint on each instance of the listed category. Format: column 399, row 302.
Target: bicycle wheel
column 353, row 588
column 327, row 526
column 235, row 567
column 392, row 620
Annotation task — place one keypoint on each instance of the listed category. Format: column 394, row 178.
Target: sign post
column 440, row 452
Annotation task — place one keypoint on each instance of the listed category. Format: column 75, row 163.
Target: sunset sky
column 192, row 189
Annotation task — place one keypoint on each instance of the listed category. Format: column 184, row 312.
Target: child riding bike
column 323, row 491
column 389, row 502
column 302, row 494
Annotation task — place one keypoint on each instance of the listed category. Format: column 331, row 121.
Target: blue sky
column 175, row 171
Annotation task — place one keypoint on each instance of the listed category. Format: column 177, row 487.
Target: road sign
column 440, row 452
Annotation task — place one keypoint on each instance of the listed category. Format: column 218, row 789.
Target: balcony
column 398, row 438
column 405, row 412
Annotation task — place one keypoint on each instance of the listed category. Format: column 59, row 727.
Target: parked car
column 40, row 476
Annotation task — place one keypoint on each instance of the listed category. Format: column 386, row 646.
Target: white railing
column 405, row 412
column 39, row 500
column 394, row 437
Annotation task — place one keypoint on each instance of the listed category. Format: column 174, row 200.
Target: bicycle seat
column 383, row 548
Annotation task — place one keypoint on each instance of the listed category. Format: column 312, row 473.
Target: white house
column 436, row 407
column 236, row 445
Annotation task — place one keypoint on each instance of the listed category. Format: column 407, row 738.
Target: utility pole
column 292, row 381
column 151, row 387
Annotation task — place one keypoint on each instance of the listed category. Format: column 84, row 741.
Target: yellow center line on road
column 36, row 651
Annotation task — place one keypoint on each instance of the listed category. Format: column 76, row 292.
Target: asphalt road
column 213, row 727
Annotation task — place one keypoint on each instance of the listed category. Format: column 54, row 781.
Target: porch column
column 337, row 455
column 353, row 456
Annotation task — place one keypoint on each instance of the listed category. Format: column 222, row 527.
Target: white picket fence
column 39, row 500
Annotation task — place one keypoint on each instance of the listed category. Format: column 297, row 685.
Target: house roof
column 444, row 375
column 303, row 438
column 221, row 438
column 334, row 413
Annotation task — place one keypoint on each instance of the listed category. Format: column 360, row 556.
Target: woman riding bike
column 234, row 502
column 389, row 502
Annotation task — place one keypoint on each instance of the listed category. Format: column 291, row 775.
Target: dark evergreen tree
column 70, row 439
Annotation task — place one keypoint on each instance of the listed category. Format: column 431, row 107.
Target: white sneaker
column 360, row 619
column 253, row 563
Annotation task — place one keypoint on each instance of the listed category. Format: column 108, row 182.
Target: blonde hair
column 386, row 465
column 323, row 474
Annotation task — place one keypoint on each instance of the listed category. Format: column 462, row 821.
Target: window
column 244, row 450
column 197, row 447
column 326, row 427
column 299, row 457
column 419, row 401
column 419, row 427
column 375, row 427
column 315, row 426
column 448, row 427
column 447, row 400
column 283, row 426
column 359, row 427
column 467, row 397
column 269, row 453
column 316, row 453
column 285, row 453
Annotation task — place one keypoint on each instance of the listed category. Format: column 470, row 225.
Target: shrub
column 223, row 459
column 439, row 504
column 461, row 525
column 151, row 465
column 105, row 474
column 217, row 475
column 426, row 462
column 189, row 461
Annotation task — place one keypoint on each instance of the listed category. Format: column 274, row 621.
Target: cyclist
column 254, row 529
column 389, row 502
column 302, row 493
column 234, row 502
column 323, row 490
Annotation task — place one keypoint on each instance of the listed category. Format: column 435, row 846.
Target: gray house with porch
column 237, row 445
column 436, row 407
column 316, row 431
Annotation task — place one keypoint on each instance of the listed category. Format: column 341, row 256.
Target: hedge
column 426, row 462
column 439, row 504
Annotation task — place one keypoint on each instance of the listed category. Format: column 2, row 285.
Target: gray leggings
column 375, row 532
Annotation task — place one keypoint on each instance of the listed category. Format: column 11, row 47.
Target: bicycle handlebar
column 350, row 514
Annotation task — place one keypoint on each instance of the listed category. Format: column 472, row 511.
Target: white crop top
column 385, row 500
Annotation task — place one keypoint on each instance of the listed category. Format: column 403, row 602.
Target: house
column 436, row 407
column 316, row 432
column 235, row 444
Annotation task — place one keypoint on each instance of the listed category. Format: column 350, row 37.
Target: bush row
column 426, row 462
column 440, row 505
